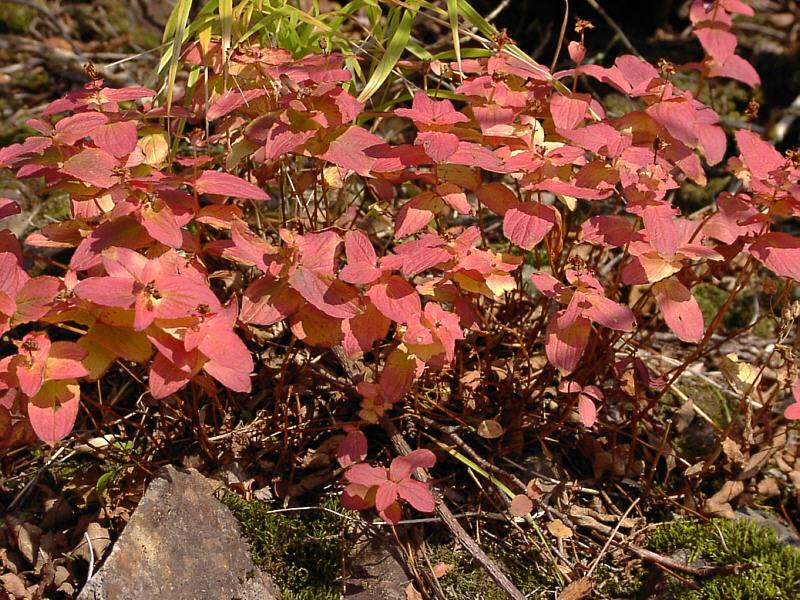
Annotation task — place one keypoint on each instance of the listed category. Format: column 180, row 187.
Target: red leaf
column 361, row 259
column 417, row 494
column 565, row 347
column 118, row 139
column 567, row 112
column 760, row 157
column 395, row 298
column 367, row 475
column 352, row 449
column 780, row 252
column 52, row 412
column 587, row 410
column 332, row 296
column 93, row 166
column 680, row 309
column 231, row 100
column 397, row 376
column 225, row 184
column 527, row 223
column 363, row 330
column 438, row 145
column 403, row 466
column 8, row 207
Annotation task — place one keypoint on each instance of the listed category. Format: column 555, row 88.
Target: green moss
column 304, row 552
column 739, row 314
column 15, row 18
column 468, row 581
column 723, row 542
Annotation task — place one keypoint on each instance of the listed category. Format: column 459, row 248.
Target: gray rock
column 183, row 544
column 764, row 518
column 377, row 571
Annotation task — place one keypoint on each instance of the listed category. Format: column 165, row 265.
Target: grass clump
column 303, row 552
column 724, row 542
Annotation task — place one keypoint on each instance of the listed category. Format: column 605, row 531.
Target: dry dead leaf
column 577, row 590
column 412, row 593
column 733, row 451
column 521, row 505
column 719, row 503
column 14, row 585
column 490, row 429
column 558, row 529
column 769, row 487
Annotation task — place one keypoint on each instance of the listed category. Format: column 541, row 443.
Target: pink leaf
column 361, row 259
column 720, row 44
column 567, row 112
column 386, row 495
column 526, row 224
column 52, row 412
column 779, row 252
column 367, row 475
column 352, row 449
column 427, row 111
column 587, row 410
column 438, row 145
column 760, row 157
column 118, row 139
column 564, row 348
column 93, row 166
column 680, row 309
column 107, row 291
column 395, row 298
column 403, row 466
column 231, row 100
column 167, row 378
column 225, row 184
column 417, row 494
column 792, row 411
column 332, row 296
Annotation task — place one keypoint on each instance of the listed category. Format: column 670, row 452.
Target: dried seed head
column 751, row 112
column 581, row 25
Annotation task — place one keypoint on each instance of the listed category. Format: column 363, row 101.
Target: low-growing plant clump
column 489, row 246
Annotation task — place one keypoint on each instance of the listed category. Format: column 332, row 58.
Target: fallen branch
column 461, row 535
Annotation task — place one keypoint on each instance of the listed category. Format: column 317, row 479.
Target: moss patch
column 723, row 542
column 468, row 581
column 304, row 552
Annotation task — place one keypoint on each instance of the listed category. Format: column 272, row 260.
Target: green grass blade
column 398, row 41
column 178, row 28
column 452, row 11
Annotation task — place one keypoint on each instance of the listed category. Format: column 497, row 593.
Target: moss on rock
column 724, row 542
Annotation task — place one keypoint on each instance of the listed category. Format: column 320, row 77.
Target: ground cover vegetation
column 416, row 280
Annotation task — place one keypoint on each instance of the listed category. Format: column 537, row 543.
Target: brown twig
column 461, row 535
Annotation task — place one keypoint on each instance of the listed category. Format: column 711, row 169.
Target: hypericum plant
column 295, row 208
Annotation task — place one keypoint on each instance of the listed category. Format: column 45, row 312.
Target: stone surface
column 183, row 544
column 377, row 571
